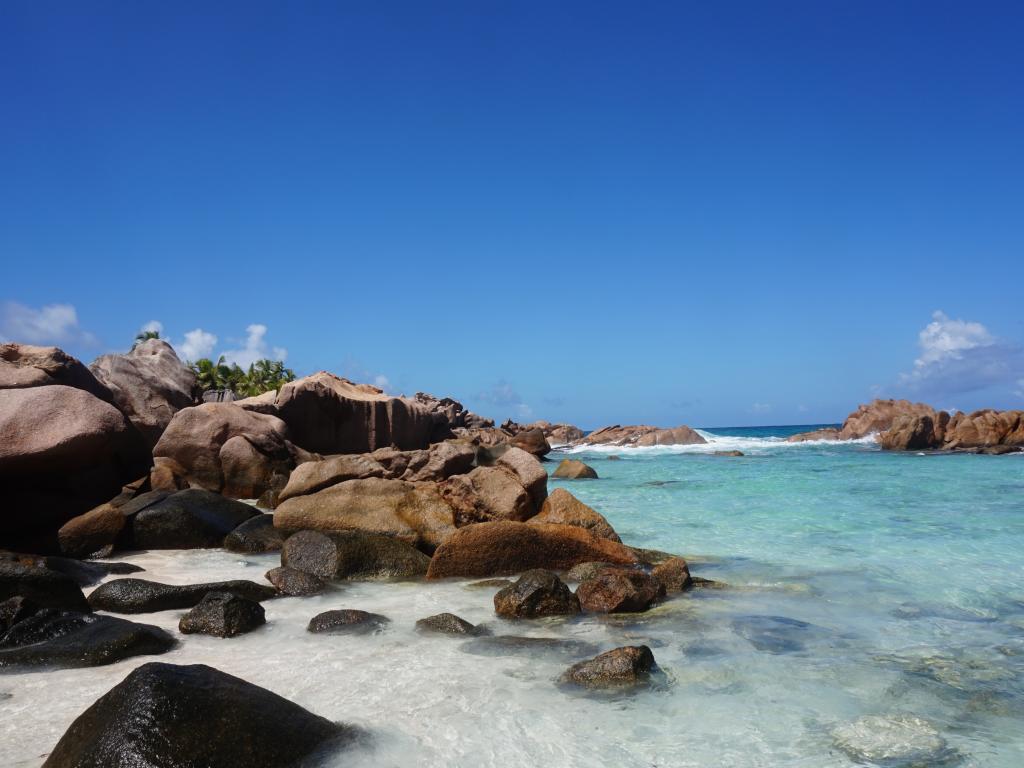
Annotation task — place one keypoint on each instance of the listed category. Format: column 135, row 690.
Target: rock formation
column 638, row 436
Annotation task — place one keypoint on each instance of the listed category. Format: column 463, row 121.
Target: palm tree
column 142, row 336
column 262, row 376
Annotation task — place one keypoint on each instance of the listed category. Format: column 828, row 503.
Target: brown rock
column 525, row 468
column 879, row 415
column 23, row 366
column 257, row 534
column 536, row 593
column 622, row 666
column 733, row 454
column 312, row 476
column 487, row 493
column 562, row 508
column 149, row 385
column 673, row 574
column 643, row 435
column 531, row 441
column 292, row 581
column 571, row 469
column 92, row 532
column 914, row 433
column 414, row 513
column 619, row 590
column 826, row 433
column 502, row 548
column 985, row 428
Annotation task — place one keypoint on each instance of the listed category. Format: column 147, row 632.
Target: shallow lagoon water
column 863, row 585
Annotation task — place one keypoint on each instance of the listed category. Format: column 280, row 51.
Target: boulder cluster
column 900, row 425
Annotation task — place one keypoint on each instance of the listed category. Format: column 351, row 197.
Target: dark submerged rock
column 48, row 588
column 619, row 590
column 257, row 534
column 347, row 621
column 223, row 614
column 514, row 645
column 447, row 624
column 67, row 639
column 629, row 665
column 291, row 581
column 353, row 555
column 190, row 519
column 141, row 596
column 169, row 716
column 774, row 634
column 14, row 609
column 536, row 593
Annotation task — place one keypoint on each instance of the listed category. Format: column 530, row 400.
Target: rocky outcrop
column 985, row 428
column 328, row 414
column 257, row 534
column 223, row 614
column 149, row 385
column 673, row 574
column 878, row 416
column 619, row 590
column 190, row 716
column 446, row 624
column 292, row 581
column 63, row 451
column 535, row 594
column 448, row 414
column 142, row 596
column 562, row 508
column 620, row 667
column 69, row 639
column 503, row 548
column 347, row 622
column 532, row 441
column 192, row 519
column 914, row 433
column 643, row 435
column 353, row 555
column 557, row 434
column 487, row 493
column 571, row 469
column 414, row 513
column 225, row 449
column 23, row 366
column 825, row 433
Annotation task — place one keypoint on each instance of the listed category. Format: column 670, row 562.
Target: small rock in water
column 728, row 453
column 536, row 593
column 291, row 581
column 895, row 742
column 619, row 590
column 347, row 621
column 447, row 624
column 673, row 574
column 223, row 615
column 622, row 666
column 571, row 469
column 613, row 457
column 774, row 634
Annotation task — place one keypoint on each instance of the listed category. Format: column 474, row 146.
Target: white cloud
column 153, row 326
column 961, row 356
column 760, row 407
column 380, row 381
column 51, row 324
column 197, row 344
column 255, row 348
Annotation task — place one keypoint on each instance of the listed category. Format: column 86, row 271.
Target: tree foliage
column 262, row 376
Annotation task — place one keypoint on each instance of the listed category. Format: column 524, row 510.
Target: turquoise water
column 868, row 583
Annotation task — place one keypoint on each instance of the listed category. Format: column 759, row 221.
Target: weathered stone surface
column 313, row 476
column 414, row 513
column 533, row 647
column 292, row 581
column 63, row 451
column 619, row 590
column 534, row 594
column 571, row 469
column 528, row 471
column 170, row 716
column 629, row 665
column 142, row 596
column 557, row 434
column 503, row 548
column 914, row 433
column 673, row 574
column 95, row 531
column 43, row 586
column 257, row 534
column 826, row 433
column 149, row 385
column 449, row 414
column 532, row 441
column 643, row 435
column 487, row 493
column 67, row 639
column 446, row 624
column 328, row 414
column 439, row 462
column 191, row 519
column 348, row 621
column 585, row 571
column 84, row 574
column 562, row 508
column 985, row 428
column 195, row 438
column 14, row 609
column 878, row 416
column 223, row 614
column 23, row 366
column 353, row 555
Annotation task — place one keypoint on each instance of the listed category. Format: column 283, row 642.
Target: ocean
column 873, row 614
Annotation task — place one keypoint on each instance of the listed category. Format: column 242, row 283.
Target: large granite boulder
column 149, row 385
column 532, row 441
column 169, row 716
column 673, row 574
column 619, row 590
column 825, row 433
column 879, row 415
column 571, row 469
column 487, row 493
column 530, row 473
column 438, row 462
column 562, row 508
column 67, row 639
column 23, row 366
column 415, row 513
column 257, row 534
column 192, row 519
column 557, row 434
column 63, row 451
column 353, row 555
column 312, row 476
column 625, row 666
column 448, row 414
column 142, row 596
column 225, row 449
column 915, row 433
column 328, row 414
column 293, row 582
column 643, row 435
column 535, row 594
column 985, row 428
column 503, row 547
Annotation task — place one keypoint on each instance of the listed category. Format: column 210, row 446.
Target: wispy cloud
column 958, row 356
column 255, row 348
column 153, row 326
column 761, row 408
column 503, row 395
column 53, row 324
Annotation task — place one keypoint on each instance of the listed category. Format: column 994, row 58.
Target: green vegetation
column 145, row 336
column 262, row 376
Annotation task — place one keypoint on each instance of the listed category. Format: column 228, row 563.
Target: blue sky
column 704, row 213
